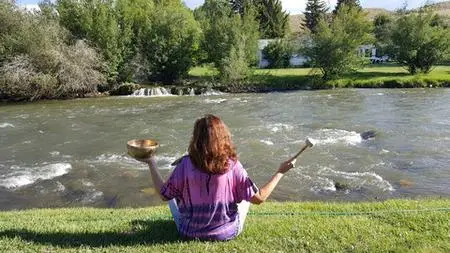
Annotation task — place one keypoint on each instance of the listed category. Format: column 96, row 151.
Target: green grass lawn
column 390, row 226
column 373, row 76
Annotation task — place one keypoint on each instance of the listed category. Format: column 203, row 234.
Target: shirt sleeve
column 245, row 188
column 173, row 187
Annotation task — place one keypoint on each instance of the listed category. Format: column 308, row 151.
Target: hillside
column 443, row 9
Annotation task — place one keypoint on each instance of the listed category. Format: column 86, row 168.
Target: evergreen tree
column 239, row 6
column 349, row 3
column 315, row 9
column 273, row 21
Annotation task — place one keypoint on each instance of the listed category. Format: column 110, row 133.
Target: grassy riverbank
column 394, row 225
column 373, row 76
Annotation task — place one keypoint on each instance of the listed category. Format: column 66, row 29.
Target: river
column 73, row 153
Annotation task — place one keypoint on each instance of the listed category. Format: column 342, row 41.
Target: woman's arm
column 267, row 189
column 158, row 182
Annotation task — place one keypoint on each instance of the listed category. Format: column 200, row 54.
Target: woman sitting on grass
column 209, row 191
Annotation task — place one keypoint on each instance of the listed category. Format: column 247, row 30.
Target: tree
column 217, row 22
column 273, row 21
column 417, row 42
column 227, row 36
column 350, row 3
column 132, row 18
column 240, row 6
column 382, row 27
column 333, row 48
column 278, row 53
column 96, row 21
column 169, row 42
column 315, row 10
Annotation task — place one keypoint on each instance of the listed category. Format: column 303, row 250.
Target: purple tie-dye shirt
column 207, row 202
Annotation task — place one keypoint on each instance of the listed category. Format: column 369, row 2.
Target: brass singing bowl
column 141, row 148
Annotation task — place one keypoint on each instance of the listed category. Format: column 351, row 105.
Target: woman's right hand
column 286, row 166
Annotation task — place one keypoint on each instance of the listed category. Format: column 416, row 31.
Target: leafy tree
column 96, row 21
column 218, row 24
column 315, row 10
column 227, row 36
column 349, row 3
column 132, row 18
column 382, row 27
column 278, row 53
column 169, row 42
column 333, row 48
column 273, row 21
column 418, row 43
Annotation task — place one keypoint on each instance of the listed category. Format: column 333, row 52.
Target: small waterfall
column 153, row 92
column 163, row 92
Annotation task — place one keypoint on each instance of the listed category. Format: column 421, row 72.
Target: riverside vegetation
column 390, row 226
column 378, row 76
column 71, row 48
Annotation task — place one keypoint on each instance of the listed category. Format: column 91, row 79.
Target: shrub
column 19, row 80
column 39, row 62
column 79, row 70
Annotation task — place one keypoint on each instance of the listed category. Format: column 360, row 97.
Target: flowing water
column 73, row 153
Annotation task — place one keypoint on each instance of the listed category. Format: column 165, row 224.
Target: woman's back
column 208, row 202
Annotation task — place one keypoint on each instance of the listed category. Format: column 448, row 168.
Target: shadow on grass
column 142, row 232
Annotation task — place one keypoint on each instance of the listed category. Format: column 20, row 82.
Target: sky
column 298, row 6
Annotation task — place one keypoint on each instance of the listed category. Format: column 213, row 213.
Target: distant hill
column 442, row 8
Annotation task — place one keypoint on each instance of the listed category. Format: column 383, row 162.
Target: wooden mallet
column 308, row 143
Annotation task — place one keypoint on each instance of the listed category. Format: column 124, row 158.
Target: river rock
column 125, row 89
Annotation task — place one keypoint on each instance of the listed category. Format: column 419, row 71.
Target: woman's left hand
column 148, row 160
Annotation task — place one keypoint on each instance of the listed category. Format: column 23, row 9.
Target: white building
column 297, row 60
column 370, row 51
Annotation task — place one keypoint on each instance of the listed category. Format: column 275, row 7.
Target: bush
column 78, row 70
column 74, row 72
column 19, row 80
column 39, row 62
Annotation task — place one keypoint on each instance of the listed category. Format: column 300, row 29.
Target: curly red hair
column 211, row 147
